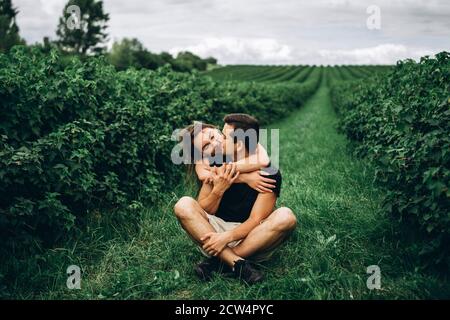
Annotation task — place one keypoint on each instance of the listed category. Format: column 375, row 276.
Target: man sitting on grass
column 232, row 222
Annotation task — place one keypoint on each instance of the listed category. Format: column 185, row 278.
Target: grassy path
column 341, row 231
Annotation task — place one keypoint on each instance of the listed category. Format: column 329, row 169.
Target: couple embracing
column 234, row 219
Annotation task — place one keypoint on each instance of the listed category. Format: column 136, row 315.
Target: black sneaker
column 205, row 269
column 244, row 270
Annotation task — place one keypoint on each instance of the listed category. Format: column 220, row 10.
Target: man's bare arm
column 254, row 162
column 260, row 159
column 263, row 207
column 204, row 174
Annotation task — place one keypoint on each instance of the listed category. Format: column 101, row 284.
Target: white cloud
column 52, row 7
column 270, row 51
column 241, row 50
column 381, row 54
column 265, row 31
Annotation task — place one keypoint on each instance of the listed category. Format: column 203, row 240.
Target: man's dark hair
column 244, row 122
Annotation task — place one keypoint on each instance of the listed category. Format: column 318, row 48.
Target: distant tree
column 122, row 54
column 211, row 60
column 131, row 53
column 86, row 34
column 46, row 46
column 186, row 61
column 148, row 60
column 166, row 57
column 9, row 31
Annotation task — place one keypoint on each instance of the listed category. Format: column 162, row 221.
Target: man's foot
column 205, row 269
column 244, row 270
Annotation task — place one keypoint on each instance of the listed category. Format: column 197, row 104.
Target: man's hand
column 214, row 243
column 257, row 180
column 224, row 177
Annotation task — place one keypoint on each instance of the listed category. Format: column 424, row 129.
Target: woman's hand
column 224, row 177
column 258, row 181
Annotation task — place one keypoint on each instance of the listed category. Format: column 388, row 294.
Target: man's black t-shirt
column 237, row 202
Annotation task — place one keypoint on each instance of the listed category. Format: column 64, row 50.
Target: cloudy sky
column 267, row 31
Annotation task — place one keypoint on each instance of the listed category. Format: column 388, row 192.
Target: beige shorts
column 221, row 225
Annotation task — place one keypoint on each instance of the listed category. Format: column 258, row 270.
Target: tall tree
column 123, row 53
column 83, row 31
column 132, row 53
column 9, row 31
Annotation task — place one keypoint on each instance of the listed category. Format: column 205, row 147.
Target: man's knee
column 184, row 208
column 284, row 219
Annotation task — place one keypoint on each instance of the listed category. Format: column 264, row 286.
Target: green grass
column 341, row 231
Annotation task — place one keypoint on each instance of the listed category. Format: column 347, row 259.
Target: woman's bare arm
column 249, row 169
column 254, row 162
column 260, row 159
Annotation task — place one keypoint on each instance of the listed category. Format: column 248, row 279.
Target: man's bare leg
column 195, row 222
column 269, row 233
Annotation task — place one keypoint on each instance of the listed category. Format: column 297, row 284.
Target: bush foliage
column 401, row 121
column 80, row 136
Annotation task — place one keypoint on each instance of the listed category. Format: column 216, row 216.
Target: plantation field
column 136, row 249
column 298, row 74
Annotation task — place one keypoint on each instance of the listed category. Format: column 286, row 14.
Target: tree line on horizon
column 89, row 39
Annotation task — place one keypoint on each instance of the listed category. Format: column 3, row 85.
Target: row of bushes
column 401, row 122
column 84, row 137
